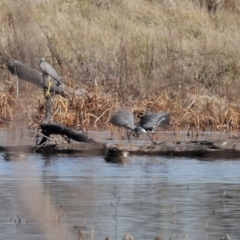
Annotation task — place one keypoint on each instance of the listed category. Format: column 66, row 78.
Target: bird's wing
column 149, row 120
column 48, row 68
column 163, row 119
column 123, row 118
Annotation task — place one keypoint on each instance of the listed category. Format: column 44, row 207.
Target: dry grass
column 7, row 104
column 157, row 55
column 93, row 111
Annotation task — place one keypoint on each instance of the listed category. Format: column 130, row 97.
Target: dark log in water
column 50, row 128
column 188, row 148
column 85, row 148
column 214, row 149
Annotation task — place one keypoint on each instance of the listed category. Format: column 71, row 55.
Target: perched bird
column 14, row 156
column 115, row 155
column 48, row 70
column 125, row 118
column 151, row 121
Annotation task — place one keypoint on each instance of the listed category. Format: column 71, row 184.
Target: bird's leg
column 122, row 137
column 129, row 135
column 47, row 93
column 151, row 134
column 151, row 137
column 118, row 133
column 155, row 135
column 111, row 136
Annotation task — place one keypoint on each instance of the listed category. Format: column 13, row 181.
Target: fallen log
column 205, row 148
column 71, row 148
column 199, row 149
column 51, row 128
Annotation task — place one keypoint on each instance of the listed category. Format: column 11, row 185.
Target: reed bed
column 94, row 109
column 7, row 105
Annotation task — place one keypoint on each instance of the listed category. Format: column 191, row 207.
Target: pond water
column 51, row 197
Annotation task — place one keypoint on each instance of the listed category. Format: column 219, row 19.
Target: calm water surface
column 177, row 198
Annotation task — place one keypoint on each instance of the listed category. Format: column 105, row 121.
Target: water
column 152, row 196
column 177, row 198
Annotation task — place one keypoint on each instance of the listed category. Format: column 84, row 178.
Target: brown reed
column 94, row 109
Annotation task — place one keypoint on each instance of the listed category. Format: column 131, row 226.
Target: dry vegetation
column 183, row 56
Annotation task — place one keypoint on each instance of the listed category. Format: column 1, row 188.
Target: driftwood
column 72, row 148
column 217, row 149
column 50, row 128
column 227, row 149
column 198, row 149
column 35, row 77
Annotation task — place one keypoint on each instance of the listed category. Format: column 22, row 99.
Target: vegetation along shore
column 180, row 56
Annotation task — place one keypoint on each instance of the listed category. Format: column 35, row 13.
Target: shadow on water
column 169, row 197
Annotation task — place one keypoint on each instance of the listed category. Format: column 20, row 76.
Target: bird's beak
column 148, row 135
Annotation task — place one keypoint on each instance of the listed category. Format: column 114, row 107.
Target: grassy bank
column 139, row 54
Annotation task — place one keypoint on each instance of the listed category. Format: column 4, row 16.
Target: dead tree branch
column 48, row 129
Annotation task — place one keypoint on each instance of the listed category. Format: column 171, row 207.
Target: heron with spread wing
column 125, row 118
column 152, row 121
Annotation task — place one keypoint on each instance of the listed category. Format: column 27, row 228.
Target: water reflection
column 148, row 197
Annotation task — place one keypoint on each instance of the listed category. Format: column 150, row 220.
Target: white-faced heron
column 47, row 69
column 125, row 118
column 152, row 121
